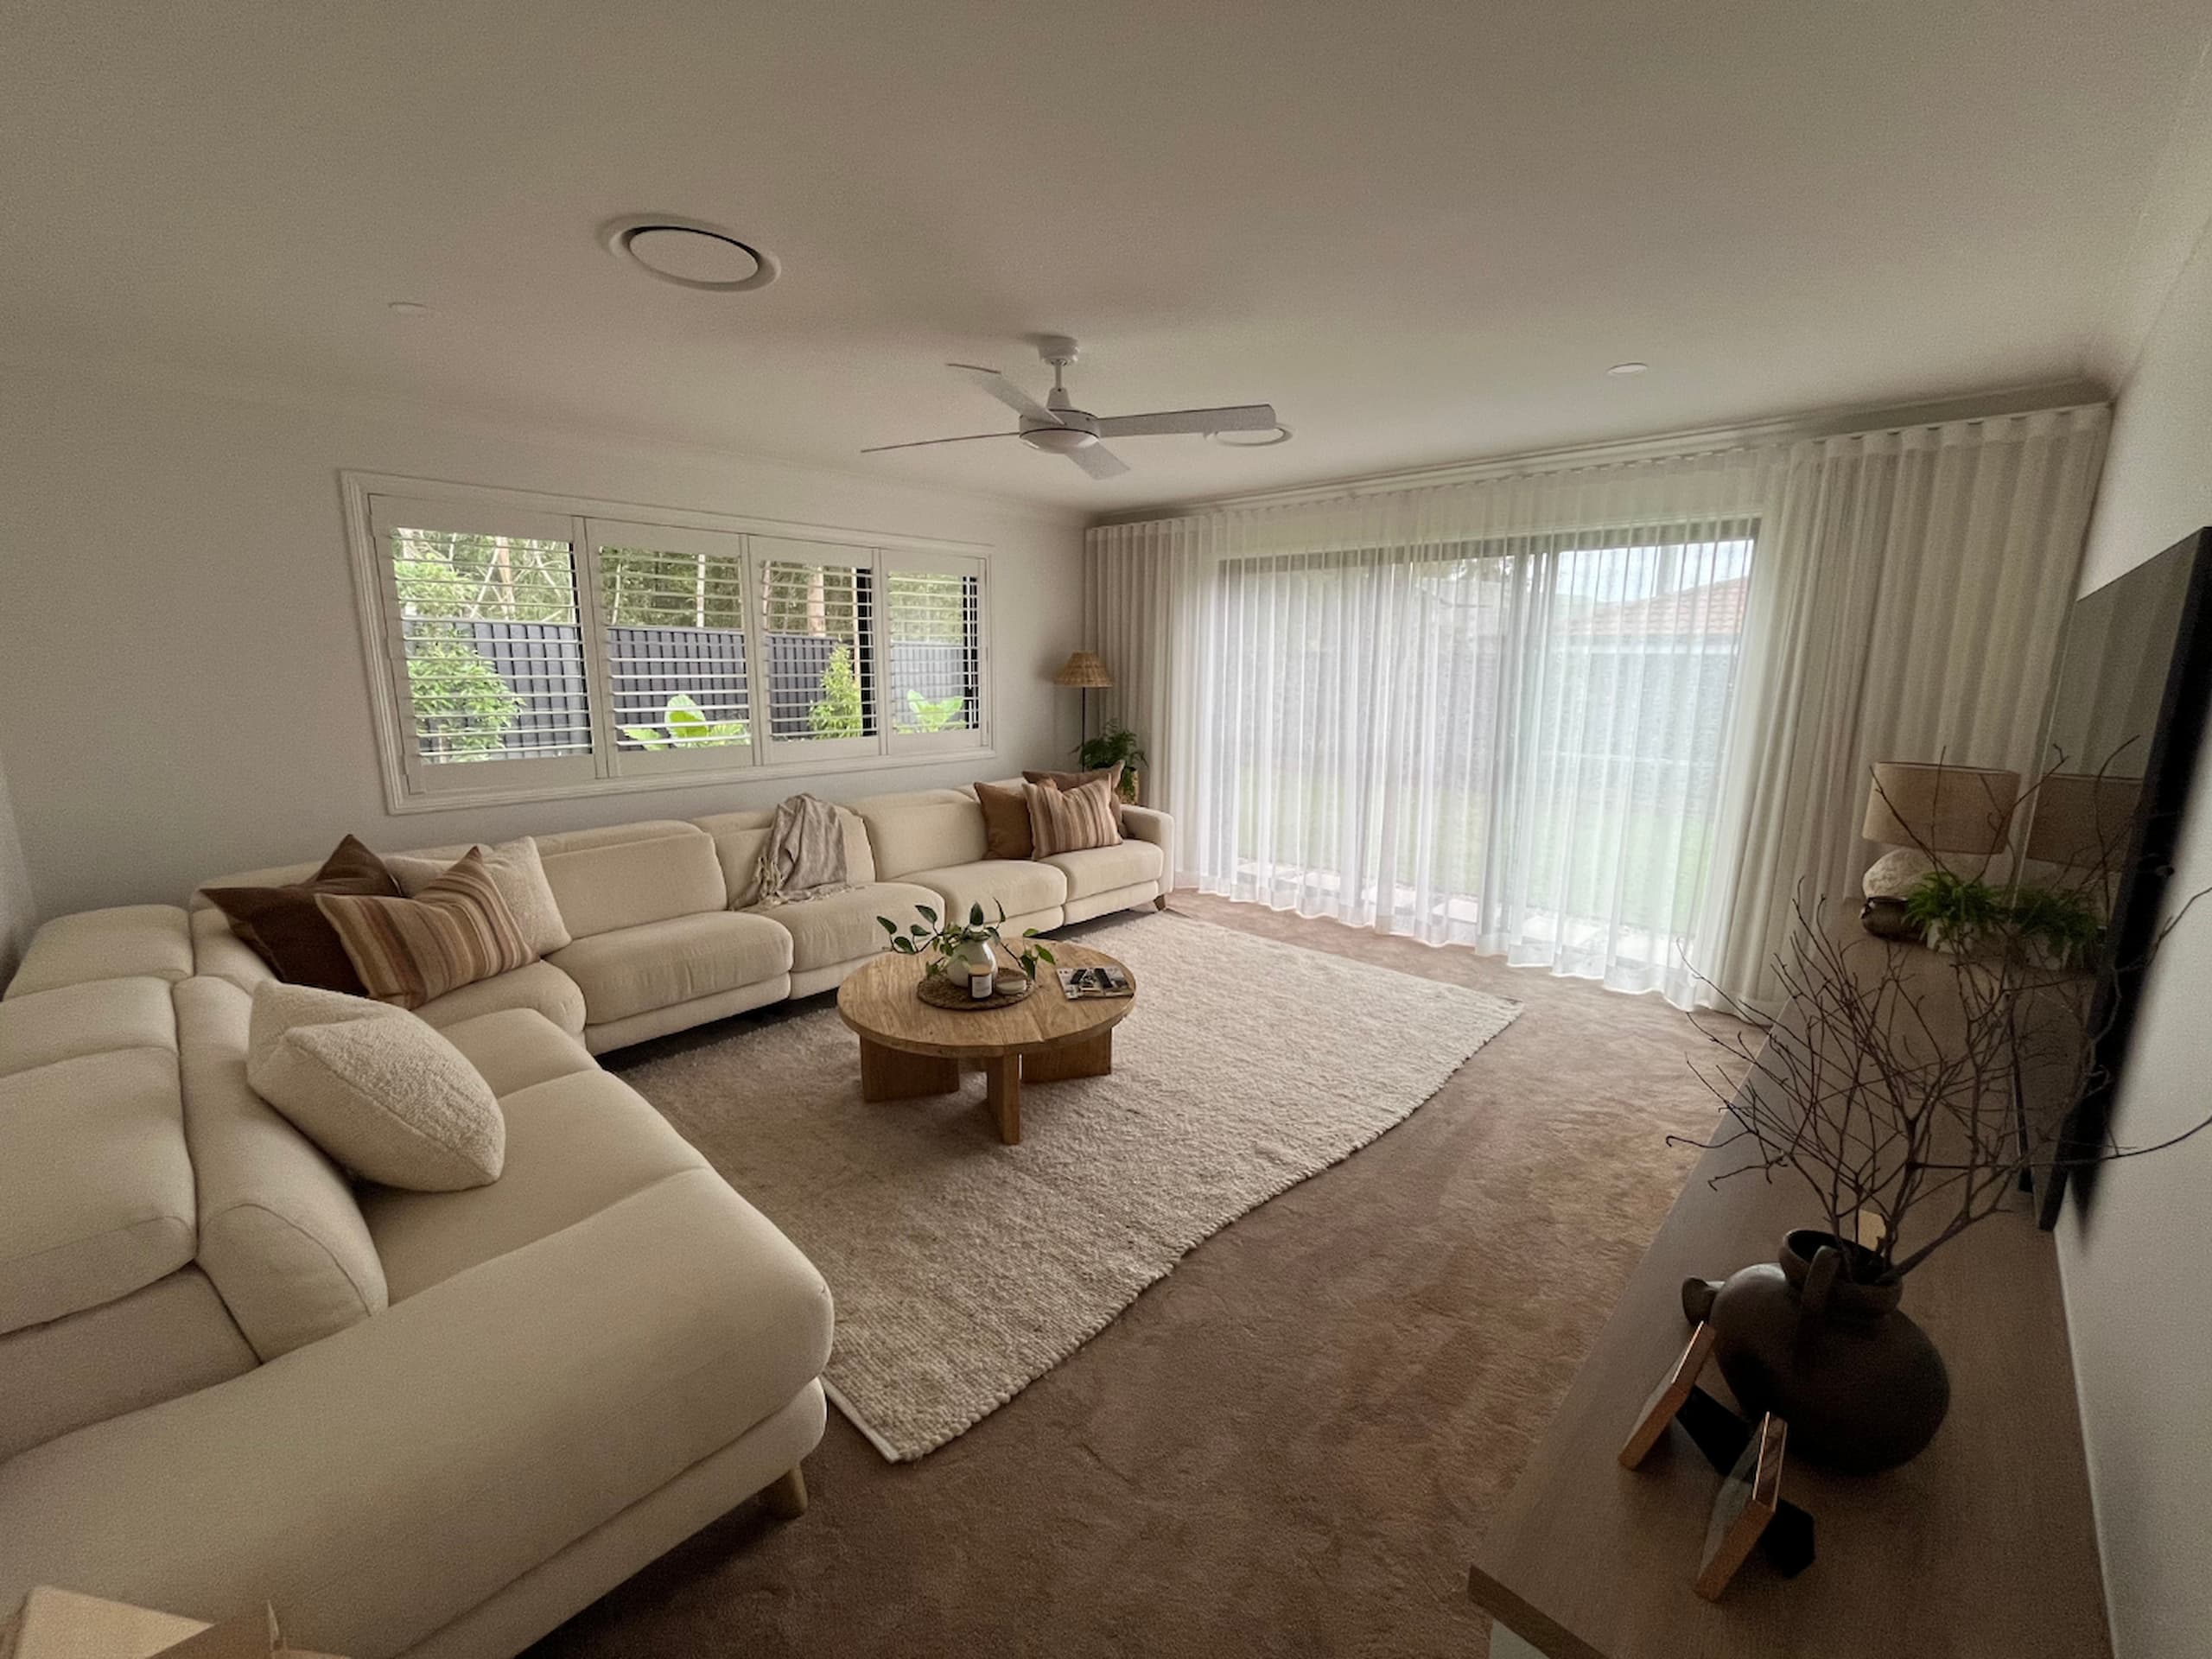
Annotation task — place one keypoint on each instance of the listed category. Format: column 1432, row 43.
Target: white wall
column 2138, row 1297
column 181, row 686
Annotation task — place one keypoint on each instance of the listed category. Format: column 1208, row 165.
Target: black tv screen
column 2129, row 713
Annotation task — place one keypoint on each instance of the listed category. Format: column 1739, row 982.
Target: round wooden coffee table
column 908, row 1049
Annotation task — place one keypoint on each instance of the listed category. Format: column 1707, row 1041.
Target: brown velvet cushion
column 1077, row 780
column 288, row 933
column 1006, row 821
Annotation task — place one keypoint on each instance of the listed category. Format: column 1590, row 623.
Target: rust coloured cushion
column 290, row 934
column 1006, row 821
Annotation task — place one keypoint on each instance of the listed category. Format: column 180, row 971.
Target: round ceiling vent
column 689, row 253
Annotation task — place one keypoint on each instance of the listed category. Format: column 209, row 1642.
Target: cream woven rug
column 963, row 1270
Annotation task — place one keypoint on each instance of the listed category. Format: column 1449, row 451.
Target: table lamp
column 1085, row 671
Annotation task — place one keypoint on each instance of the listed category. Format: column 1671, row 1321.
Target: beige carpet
column 1290, row 1444
column 963, row 1270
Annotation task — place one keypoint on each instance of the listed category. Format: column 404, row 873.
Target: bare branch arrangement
column 1894, row 1088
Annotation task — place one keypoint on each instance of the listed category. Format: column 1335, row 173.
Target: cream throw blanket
column 805, row 854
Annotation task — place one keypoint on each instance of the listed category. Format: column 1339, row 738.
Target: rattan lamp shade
column 1941, row 808
column 1083, row 669
column 2082, row 821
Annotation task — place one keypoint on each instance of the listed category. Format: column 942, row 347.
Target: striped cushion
column 453, row 932
column 1071, row 820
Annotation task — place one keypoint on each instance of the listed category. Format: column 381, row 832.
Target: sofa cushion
column 72, row 1021
column 289, row 929
column 164, row 1339
column 1018, row 884
column 409, row 951
column 575, row 1144
column 657, row 965
column 96, row 1193
column 515, row 869
column 377, row 1486
column 932, row 828
column 128, row 941
column 280, row 1233
column 1006, row 821
column 517, row 1048
column 540, row 987
column 632, row 874
column 384, row 1094
column 1100, row 869
column 1072, row 820
column 740, row 838
column 840, row 927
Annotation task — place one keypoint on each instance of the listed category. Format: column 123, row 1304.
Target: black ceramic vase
column 1859, row 1384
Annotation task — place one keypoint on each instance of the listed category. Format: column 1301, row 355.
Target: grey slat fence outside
column 543, row 664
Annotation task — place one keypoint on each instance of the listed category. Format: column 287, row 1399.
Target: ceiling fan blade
column 1237, row 417
column 924, row 443
column 992, row 384
column 1098, row 460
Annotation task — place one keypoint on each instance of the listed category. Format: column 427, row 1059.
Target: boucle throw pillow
column 1073, row 820
column 1006, row 821
column 383, row 1093
column 519, row 874
column 287, row 930
column 409, row 951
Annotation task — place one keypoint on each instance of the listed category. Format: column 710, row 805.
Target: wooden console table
column 1982, row 1545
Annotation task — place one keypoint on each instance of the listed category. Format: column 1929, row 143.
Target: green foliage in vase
column 940, row 942
column 1116, row 745
column 2064, row 925
column 685, row 725
column 1954, row 911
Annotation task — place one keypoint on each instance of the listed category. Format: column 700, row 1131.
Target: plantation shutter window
column 932, row 623
column 484, row 646
column 673, row 605
column 524, row 647
column 817, row 625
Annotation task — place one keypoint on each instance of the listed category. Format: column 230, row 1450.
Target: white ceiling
column 1423, row 231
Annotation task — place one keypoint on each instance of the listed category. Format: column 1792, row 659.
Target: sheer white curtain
column 1913, row 591
column 1601, row 719
column 1492, row 715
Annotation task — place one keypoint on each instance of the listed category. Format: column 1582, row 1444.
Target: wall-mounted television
column 2127, row 724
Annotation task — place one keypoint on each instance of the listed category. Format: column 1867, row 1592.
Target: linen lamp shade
column 1083, row 669
column 1941, row 808
column 2082, row 821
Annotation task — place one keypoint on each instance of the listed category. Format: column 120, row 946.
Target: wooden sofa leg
column 786, row 1495
column 1160, row 902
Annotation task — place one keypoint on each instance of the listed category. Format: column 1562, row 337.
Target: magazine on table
column 1080, row 983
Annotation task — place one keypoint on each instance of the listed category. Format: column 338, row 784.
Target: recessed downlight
column 1267, row 440
column 408, row 308
column 1624, row 369
column 689, row 253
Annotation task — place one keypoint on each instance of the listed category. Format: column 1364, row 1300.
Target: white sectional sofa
column 428, row 1423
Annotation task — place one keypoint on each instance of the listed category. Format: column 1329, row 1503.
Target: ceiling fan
column 1058, row 428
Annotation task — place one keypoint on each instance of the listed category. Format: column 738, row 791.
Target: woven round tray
column 949, row 990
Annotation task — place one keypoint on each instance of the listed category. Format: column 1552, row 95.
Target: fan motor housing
column 1076, row 430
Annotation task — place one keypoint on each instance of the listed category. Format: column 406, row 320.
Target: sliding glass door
column 1514, row 744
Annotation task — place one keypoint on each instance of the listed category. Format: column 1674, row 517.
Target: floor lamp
column 1085, row 671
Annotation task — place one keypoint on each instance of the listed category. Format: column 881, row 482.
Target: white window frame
column 376, row 503
column 935, row 564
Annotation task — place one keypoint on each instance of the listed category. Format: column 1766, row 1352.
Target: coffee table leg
column 1092, row 1057
column 894, row 1074
column 1002, row 1078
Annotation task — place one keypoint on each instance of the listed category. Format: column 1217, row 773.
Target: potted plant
column 1116, row 745
column 968, row 944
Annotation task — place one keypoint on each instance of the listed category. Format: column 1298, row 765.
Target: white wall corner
column 2171, row 225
